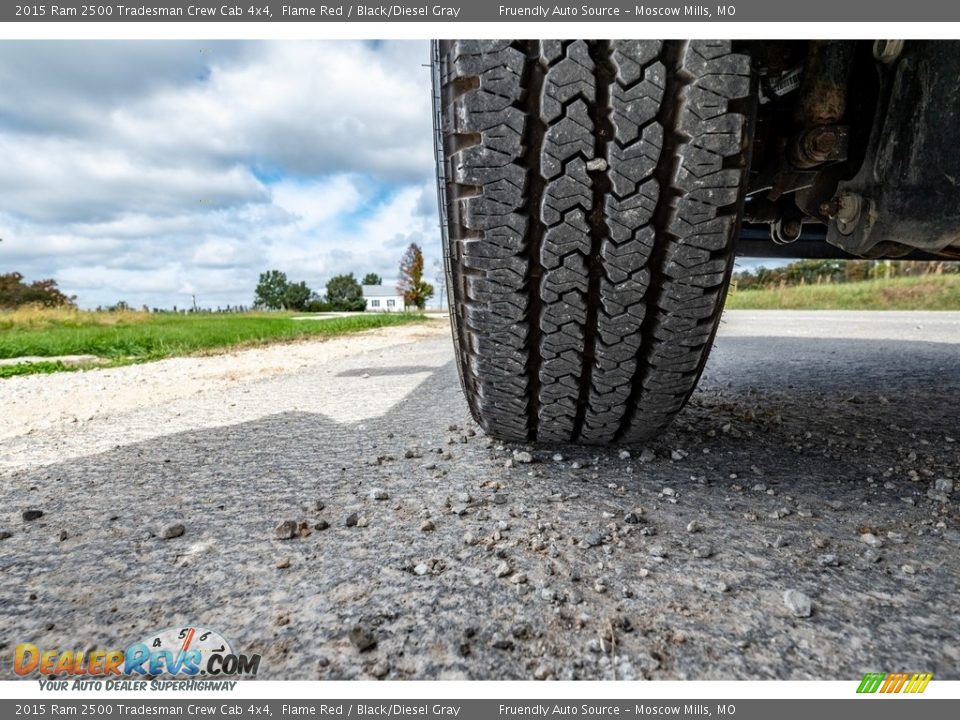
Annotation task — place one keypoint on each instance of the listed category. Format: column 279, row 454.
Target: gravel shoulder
column 77, row 410
column 345, row 518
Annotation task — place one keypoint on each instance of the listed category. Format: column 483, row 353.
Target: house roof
column 379, row 291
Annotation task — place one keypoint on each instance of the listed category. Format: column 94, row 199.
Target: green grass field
column 124, row 337
column 929, row 292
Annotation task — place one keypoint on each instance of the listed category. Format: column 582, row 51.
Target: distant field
column 123, row 337
column 930, row 292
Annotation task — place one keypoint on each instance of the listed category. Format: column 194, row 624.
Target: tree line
column 343, row 293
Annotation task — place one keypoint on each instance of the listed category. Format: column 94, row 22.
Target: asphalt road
column 818, row 456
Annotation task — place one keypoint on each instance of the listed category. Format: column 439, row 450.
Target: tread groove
column 603, row 132
column 532, row 84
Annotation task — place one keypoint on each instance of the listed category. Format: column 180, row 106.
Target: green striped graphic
column 871, row 682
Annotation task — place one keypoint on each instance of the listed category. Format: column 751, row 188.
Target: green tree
column 345, row 293
column 271, row 289
column 14, row 292
column 416, row 291
column 372, row 279
column 296, row 296
column 317, row 304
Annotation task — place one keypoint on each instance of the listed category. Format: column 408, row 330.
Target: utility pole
column 441, row 277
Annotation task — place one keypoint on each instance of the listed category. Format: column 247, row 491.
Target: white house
column 383, row 298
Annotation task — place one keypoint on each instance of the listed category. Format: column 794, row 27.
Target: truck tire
column 590, row 195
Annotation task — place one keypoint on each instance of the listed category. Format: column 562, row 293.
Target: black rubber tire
column 590, row 194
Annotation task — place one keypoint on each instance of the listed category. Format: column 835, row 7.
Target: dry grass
column 34, row 317
column 928, row 292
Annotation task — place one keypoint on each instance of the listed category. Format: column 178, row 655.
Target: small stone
column 173, row 531
column 677, row 454
column 908, row 569
column 557, row 457
column 631, row 518
column 321, row 525
column 319, row 505
column 703, row 552
column 798, row 603
column 63, row 535
column 285, row 530
column 362, row 638
column 502, row 569
column 658, row 551
column 500, row 642
column 4, row 534
column 522, row 456
column 427, row 526
column 693, row 527
column 647, row 456
column 943, row 485
column 351, row 520
column 380, row 669
column 30, row 515
column 828, row 560
column 518, row 578
column 412, row 452
column 421, row 569
column 283, row 563
column 646, row 662
column 597, row 164
column 379, row 494
column 469, row 538
column 363, row 522
column 871, row 540
column 593, row 539
column 624, row 454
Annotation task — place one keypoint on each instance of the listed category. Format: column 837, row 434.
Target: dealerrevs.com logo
column 180, row 653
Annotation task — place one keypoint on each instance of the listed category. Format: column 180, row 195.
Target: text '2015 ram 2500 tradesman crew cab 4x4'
column 594, row 195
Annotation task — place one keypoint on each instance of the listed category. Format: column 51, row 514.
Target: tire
column 590, row 195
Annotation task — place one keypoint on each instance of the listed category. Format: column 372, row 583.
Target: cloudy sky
column 150, row 171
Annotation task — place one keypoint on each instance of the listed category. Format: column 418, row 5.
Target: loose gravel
column 798, row 521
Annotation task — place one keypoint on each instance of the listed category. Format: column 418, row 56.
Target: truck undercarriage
column 856, row 151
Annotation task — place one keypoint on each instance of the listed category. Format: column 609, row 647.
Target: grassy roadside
column 125, row 337
column 929, row 292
